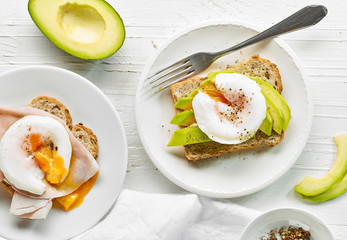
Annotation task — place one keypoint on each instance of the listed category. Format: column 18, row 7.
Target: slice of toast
column 82, row 133
column 54, row 107
column 254, row 67
column 87, row 138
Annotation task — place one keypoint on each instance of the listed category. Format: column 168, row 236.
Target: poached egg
column 34, row 148
column 233, row 111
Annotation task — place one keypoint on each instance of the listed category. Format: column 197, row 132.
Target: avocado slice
column 276, row 115
column 188, row 135
column 276, row 98
column 184, row 103
column 314, row 186
column 266, row 125
column 184, row 118
column 194, row 92
column 333, row 192
column 88, row 29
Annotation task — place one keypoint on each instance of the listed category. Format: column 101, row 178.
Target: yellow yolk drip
column 76, row 198
column 210, row 89
column 51, row 164
column 47, row 159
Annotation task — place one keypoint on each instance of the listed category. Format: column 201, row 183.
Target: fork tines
column 171, row 74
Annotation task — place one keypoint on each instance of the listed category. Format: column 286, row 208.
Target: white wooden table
column 149, row 23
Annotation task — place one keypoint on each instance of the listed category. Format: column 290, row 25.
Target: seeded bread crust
column 87, row 138
column 81, row 132
column 54, row 107
column 254, row 67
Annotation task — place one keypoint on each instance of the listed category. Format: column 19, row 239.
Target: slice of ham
column 26, row 207
column 82, row 167
column 40, row 213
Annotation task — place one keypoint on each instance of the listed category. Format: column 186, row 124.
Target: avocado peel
column 87, row 29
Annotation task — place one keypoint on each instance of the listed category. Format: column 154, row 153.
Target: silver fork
column 195, row 63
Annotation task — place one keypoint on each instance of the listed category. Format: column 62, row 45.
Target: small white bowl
column 285, row 217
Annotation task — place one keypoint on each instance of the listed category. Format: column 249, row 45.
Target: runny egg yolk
column 76, row 198
column 53, row 166
column 217, row 96
column 47, row 159
column 35, row 141
column 211, row 90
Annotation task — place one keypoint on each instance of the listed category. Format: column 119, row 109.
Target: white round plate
column 88, row 105
column 240, row 173
column 275, row 219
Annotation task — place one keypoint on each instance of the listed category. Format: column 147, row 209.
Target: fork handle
column 308, row 16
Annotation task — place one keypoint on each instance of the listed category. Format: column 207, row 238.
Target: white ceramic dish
column 275, row 219
column 87, row 104
column 240, row 173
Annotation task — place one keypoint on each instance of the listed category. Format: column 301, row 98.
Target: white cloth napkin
column 138, row 215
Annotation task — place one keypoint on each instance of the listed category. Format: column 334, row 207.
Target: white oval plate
column 240, row 173
column 285, row 217
column 88, row 105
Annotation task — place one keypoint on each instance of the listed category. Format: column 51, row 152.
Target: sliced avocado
column 333, row 192
column 188, row 135
column 194, row 92
column 276, row 115
column 314, row 186
column 276, row 98
column 184, row 118
column 266, row 125
column 88, row 29
column 184, row 103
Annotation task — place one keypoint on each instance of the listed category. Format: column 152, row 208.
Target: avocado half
column 88, row 29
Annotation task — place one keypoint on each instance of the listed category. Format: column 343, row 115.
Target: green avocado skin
column 334, row 183
column 34, row 9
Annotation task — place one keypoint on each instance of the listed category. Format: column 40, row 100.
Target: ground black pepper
column 290, row 233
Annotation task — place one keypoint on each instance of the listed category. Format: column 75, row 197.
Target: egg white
column 236, row 123
column 17, row 165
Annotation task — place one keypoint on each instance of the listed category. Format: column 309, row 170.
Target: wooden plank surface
column 149, row 23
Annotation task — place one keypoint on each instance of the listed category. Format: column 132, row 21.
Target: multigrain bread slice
column 261, row 68
column 54, row 107
column 81, row 132
column 254, row 67
column 87, row 138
